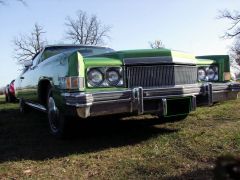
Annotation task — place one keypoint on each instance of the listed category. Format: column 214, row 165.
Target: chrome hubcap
column 53, row 115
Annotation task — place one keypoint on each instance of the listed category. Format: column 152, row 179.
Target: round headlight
column 95, row 77
column 113, row 77
column 211, row 73
column 201, row 74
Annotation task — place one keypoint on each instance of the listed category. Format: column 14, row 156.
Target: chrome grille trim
column 161, row 75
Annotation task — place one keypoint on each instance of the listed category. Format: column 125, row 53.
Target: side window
column 36, row 60
column 42, row 58
column 45, row 55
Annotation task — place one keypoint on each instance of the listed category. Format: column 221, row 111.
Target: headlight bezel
column 118, row 73
column 106, row 82
column 207, row 69
column 205, row 73
column 92, row 83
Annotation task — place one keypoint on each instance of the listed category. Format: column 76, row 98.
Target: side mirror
column 28, row 63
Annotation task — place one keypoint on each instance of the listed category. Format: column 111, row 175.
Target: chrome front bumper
column 134, row 100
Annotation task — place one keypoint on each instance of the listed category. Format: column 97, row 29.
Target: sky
column 189, row 26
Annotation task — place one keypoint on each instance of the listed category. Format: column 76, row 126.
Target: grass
column 135, row 148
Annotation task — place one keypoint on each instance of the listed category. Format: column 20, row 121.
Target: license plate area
column 178, row 106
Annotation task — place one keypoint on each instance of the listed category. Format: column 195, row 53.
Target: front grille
column 161, row 75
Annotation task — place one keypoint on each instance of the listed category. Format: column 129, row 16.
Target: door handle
column 21, row 77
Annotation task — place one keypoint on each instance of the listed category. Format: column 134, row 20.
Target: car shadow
column 3, row 102
column 195, row 174
column 27, row 136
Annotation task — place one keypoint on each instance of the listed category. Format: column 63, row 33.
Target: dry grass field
column 106, row 148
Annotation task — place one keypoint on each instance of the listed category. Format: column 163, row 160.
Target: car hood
column 142, row 56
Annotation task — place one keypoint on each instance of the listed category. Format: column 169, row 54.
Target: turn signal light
column 73, row 82
column 227, row 76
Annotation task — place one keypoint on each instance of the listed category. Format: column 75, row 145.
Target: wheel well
column 43, row 88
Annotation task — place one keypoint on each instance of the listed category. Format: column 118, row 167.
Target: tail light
column 11, row 88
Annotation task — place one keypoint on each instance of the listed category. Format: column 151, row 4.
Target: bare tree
column 233, row 32
column 157, row 44
column 234, row 18
column 235, row 51
column 86, row 29
column 27, row 46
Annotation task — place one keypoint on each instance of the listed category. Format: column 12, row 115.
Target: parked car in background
column 10, row 92
column 89, row 81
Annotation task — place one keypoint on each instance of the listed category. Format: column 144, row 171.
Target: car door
column 17, row 84
column 29, row 82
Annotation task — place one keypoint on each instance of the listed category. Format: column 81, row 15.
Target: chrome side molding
column 37, row 106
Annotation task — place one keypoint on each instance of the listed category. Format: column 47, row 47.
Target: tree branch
column 27, row 46
column 4, row 2
column 86, row 29
column 234, row 17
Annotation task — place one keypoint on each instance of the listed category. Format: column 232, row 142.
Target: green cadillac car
column 88, row 81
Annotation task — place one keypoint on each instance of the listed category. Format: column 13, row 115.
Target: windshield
column 84, row 50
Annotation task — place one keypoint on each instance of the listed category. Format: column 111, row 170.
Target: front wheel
column 58, row 123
